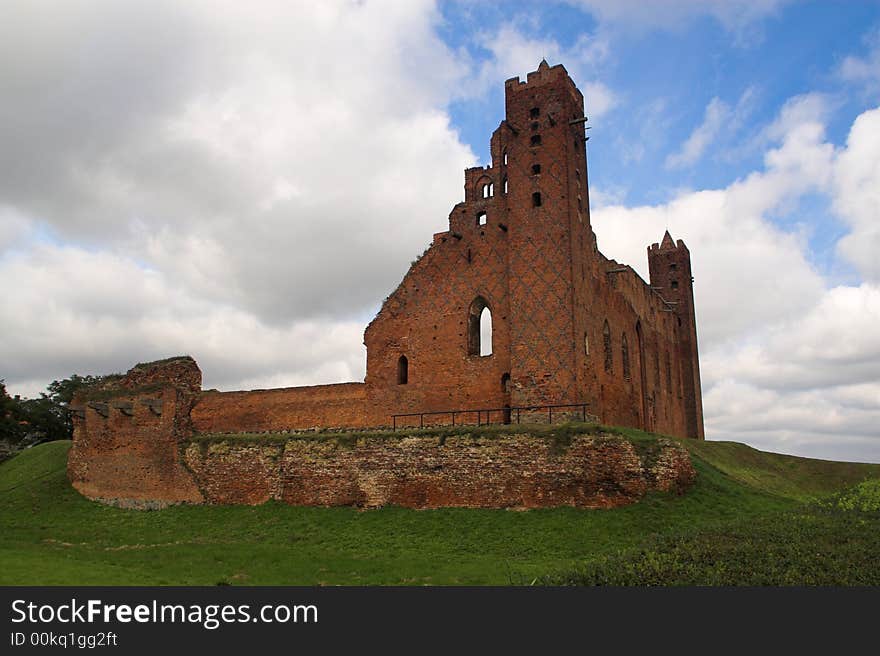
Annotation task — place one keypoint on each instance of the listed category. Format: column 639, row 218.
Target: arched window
column 402, row 370
column 606, row 343
column 504, row 185
column 479, row 328
column 624, row 352
column 504, row 158
column 481, row 219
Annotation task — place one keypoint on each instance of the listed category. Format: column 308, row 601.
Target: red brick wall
column 126, row 437
column 320, row 406
column 495, row 471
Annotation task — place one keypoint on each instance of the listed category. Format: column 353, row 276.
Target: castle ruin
column 511, row 312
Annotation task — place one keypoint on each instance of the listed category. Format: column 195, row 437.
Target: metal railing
column 507, row 415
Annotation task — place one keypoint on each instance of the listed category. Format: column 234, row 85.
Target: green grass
column 744, row 505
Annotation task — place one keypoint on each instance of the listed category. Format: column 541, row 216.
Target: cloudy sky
column 245, row 182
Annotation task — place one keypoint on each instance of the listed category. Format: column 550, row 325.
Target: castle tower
column 540, row 149
column 568, row 325
column 669, row 264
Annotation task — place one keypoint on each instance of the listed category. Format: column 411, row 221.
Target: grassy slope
column 52, row 535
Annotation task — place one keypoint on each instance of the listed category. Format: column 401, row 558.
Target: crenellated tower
column 669, row 265
column 540, row 150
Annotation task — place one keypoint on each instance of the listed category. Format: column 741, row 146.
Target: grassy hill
column 752, row 518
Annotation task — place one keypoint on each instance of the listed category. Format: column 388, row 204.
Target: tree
column 46, row 417
column 10, row 416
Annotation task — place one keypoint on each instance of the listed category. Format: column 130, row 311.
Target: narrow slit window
column 624, row 352
column 535, row 140
column 402, row 370
column 534, row 112
column 504, row 186
column 536, row 169
column 536, row 199
column 606, row 343
column 504, row 158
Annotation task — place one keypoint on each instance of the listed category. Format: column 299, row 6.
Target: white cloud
column 717, row 114
column 857, row 195
column 864, row 70
column 244, row 183
column 78, row 307
column 243, row 150
column 719, row 120
column 513, row 53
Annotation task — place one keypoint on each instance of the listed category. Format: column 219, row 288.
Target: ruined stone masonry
column 512, row 307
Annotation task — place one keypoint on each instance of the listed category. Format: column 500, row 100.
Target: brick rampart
column 319, row 406
column 498, row 470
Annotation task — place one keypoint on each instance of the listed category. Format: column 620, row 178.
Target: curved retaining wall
column 423, row 471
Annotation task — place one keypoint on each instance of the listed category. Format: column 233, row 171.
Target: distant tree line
column 31, row 421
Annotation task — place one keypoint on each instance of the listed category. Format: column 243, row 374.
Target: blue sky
column 244, row 182
column 793, row 50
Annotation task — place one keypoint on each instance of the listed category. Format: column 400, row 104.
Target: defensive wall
column 135, row 445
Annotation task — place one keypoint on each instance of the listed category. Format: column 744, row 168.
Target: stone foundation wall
column 418, row 471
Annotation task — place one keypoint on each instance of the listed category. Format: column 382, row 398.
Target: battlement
column 545, row 75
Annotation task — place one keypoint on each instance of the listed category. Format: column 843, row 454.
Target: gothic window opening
column 535, row 140
column 536, row 169
column 673, row 266
column 479, row 328
column 402, row 370
column 504, row 158
column 536, row 199
column 504, row 186
column 606, row 343
column 488, row 190
column 505, row 383
column 534, row 112
column 624, row 353
column 481, row 219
